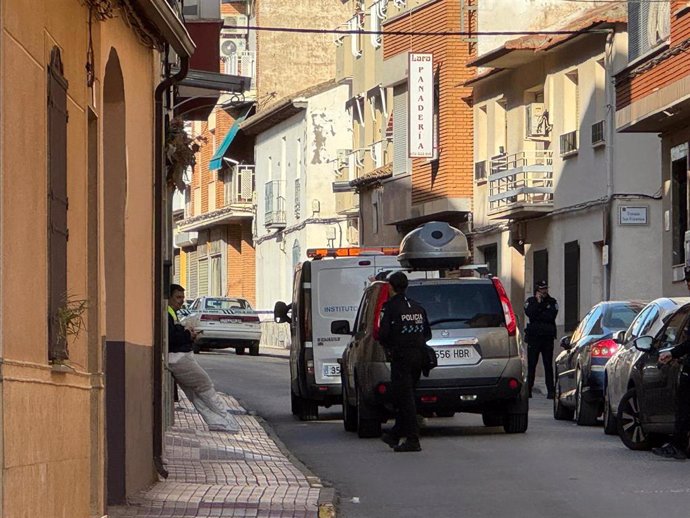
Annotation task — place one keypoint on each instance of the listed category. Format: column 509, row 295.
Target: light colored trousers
column 198, row 388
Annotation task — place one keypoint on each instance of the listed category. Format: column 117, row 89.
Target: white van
column 326, row 288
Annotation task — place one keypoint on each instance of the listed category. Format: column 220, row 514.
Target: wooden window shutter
column 57, row 201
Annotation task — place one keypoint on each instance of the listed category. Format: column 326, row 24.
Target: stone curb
column 328, row 499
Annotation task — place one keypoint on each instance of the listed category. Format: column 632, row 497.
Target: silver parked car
column 481, row 360
column 224, row 322
column 617, row 377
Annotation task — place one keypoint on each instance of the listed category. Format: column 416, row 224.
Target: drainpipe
column 608, row 157
column 161, row 274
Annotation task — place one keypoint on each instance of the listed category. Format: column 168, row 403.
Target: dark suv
column 481, row 360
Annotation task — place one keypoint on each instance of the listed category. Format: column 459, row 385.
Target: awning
column 217, row 160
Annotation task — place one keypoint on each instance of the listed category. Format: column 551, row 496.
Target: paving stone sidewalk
column 217, row 474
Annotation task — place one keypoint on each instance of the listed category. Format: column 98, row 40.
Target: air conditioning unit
column 201, row 10
column 232, row 46
column 537, row 124
column 234, row 24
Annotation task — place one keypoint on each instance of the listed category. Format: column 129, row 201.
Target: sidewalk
column 217, row 474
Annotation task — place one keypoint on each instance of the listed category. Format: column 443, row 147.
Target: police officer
column 677, row 448
column 404, row 331
column 541, row 309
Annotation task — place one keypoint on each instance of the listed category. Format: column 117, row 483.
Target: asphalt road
column 556, row 469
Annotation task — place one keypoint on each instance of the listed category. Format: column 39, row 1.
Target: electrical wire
column 345, row 32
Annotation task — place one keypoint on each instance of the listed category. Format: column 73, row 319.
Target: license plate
column 330, row 370
column 457, row 355
column 230, row 321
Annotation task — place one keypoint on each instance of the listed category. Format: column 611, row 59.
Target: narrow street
column 465, row 469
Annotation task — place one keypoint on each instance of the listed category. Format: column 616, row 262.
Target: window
column 57, row 201
column 674, row 327
column 679, row 204
column 481, row 143
column 649, row 25
column 401, row 161
column 571, row 113
column 635, row 328
column 298, row 198
column 296, row 253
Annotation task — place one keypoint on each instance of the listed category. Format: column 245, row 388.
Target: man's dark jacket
column 542, row 317
column 179, row 339
column 403, row 324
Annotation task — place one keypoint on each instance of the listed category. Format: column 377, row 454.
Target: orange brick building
column 397, row 195
column 653, row 95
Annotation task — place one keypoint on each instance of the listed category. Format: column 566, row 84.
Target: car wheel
column 294, row 403
column 610, row 426
column 308, row 410
column 560, row 412
column 239, row 350
column 491, row 420
column 349, row 411
column 586, row 413
column 196, row 349
column 445, row 413
column 254, row 349
column 367, row 426
column 515, row 423
column 629, row 426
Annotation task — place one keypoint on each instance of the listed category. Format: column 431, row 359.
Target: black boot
column 408, row 445
column 390, row 439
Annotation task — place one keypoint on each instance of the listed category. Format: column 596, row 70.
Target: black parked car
column 579, row 371
column 647, row 408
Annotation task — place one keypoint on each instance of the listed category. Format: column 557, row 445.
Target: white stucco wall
column 578, row 179
column 312, row 138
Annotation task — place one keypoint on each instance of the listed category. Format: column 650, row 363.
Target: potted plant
column 180, row 151
column 68, row 322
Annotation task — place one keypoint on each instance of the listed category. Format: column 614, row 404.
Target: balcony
column 521, row 185
column 240, row 64
column 239, row 186
column 238, row 201
column 274, row 211
column 185, row 239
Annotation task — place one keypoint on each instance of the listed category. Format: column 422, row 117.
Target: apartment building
column 78, row 84
column 558, row 194
column 296, row 142
column 653, row 96
column 397, row 192
column 216, row 254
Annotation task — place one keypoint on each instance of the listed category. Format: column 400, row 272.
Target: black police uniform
column 682, row 426
column 404, row 331
column 540, row 334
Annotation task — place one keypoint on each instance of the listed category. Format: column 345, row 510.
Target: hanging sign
column 421, row 105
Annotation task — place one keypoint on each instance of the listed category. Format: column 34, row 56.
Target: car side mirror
column 644, row 344
column 618, row 337
column 340, row 327
column 280, row 312
column 565, row 342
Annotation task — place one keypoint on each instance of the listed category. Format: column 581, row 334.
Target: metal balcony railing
column 240, row 186
column 274, row 213
column 521, row 181
column 241, row 64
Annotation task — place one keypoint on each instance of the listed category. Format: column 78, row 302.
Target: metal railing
column 569, row 143
column 241, row 63
column 274, row 211
column 240, row 185
column 524, row 178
